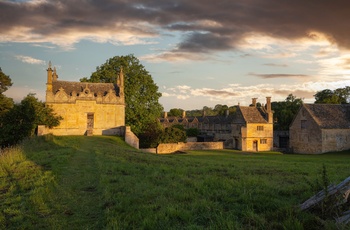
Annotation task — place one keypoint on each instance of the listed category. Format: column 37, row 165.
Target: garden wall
column 181, row 146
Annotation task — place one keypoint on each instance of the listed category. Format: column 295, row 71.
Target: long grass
column 83, row 182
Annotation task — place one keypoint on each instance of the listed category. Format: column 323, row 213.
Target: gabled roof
column 250, row 115
column 78, row 87
column 330, row 116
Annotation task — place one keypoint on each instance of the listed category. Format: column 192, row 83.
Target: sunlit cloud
column 279, row 75
column 30, row 60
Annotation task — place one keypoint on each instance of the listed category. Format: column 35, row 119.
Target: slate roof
column 78, row 87
column 329, row 116
column 250, row 115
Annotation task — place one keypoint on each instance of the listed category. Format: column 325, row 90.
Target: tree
column 220, row 109
column 337, row 96
column 285, row 111
column 150, row 137
column 5, row 81
column 192, row 132
column 173, row 135
column 21, row 121
column 141, row 93
column 6, row 103
column 175, row 112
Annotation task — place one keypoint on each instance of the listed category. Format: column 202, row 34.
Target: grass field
column 84, row 182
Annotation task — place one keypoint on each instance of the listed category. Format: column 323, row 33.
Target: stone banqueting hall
column 87, row 108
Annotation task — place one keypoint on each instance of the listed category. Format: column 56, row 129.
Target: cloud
column 206, row 27
column 30, row 60
column 276, row 65
column 279, row 75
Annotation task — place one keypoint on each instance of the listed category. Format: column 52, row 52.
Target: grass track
column 101, row 183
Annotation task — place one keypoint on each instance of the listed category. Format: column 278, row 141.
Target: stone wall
column 335, row 140
column 181, row 146
column 107, row 118
column 131, row 138
column 305, row 135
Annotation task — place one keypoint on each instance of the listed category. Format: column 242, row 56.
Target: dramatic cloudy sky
column 199, row 52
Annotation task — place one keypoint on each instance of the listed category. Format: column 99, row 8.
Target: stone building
column 86, row 108
column 320, row 128
column 249, row 129
column 252, row 127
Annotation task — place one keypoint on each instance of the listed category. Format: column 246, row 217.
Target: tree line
column 20, row 120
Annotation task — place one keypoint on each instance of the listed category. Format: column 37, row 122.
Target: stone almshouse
column 86, row 108
column 250, row 129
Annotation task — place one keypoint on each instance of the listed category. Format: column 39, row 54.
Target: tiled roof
column 330, row 116
column 251, row 115
column 78, row 87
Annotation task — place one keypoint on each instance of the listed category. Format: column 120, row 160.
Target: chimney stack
column 165, row 114
column 183, row 114
column 254, row 101
column 269, row 110
column 268, row 104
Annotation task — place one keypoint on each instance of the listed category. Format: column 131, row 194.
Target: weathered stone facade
column 320, row 128
column 250, row 129
column 86, row 108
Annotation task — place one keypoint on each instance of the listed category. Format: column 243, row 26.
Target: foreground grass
column 101, row 183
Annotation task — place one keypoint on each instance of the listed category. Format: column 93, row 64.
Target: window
column 303, row 124
column 263, row 141
column 260, row 128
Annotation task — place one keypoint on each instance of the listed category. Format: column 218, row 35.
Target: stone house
column 249, row 129
column 320, row 128
column 252, row 127
column 86, row 108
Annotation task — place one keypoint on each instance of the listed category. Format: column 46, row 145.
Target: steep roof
column 251, row 115
column 96, row 88
column 329, row 116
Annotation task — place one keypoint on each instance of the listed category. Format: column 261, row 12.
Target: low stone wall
column 174, row 147
column 149, row 150
column 131, row 138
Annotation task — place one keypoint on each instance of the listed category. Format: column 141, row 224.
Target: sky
column 198, row 52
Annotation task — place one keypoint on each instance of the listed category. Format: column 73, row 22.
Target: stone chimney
column 165, row 114
column 254, row 101
column 269, row 110
column 268, row 104
column 183, row 114
column 227, row 112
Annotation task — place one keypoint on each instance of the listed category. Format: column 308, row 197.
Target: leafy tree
column 175, row 112
column 150, row 137
column 337, row 96
column 21, row 121
column 220, row 109
column 178, row 126
column 285, row 111
column 6, row 103
column 194, row 113
column 192, row 132
column 173, row 135
column 141, row 93
column 5, row 81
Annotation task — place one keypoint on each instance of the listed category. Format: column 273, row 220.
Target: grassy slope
column 100, row 182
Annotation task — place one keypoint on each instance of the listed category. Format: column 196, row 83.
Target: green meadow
column 81, row 182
